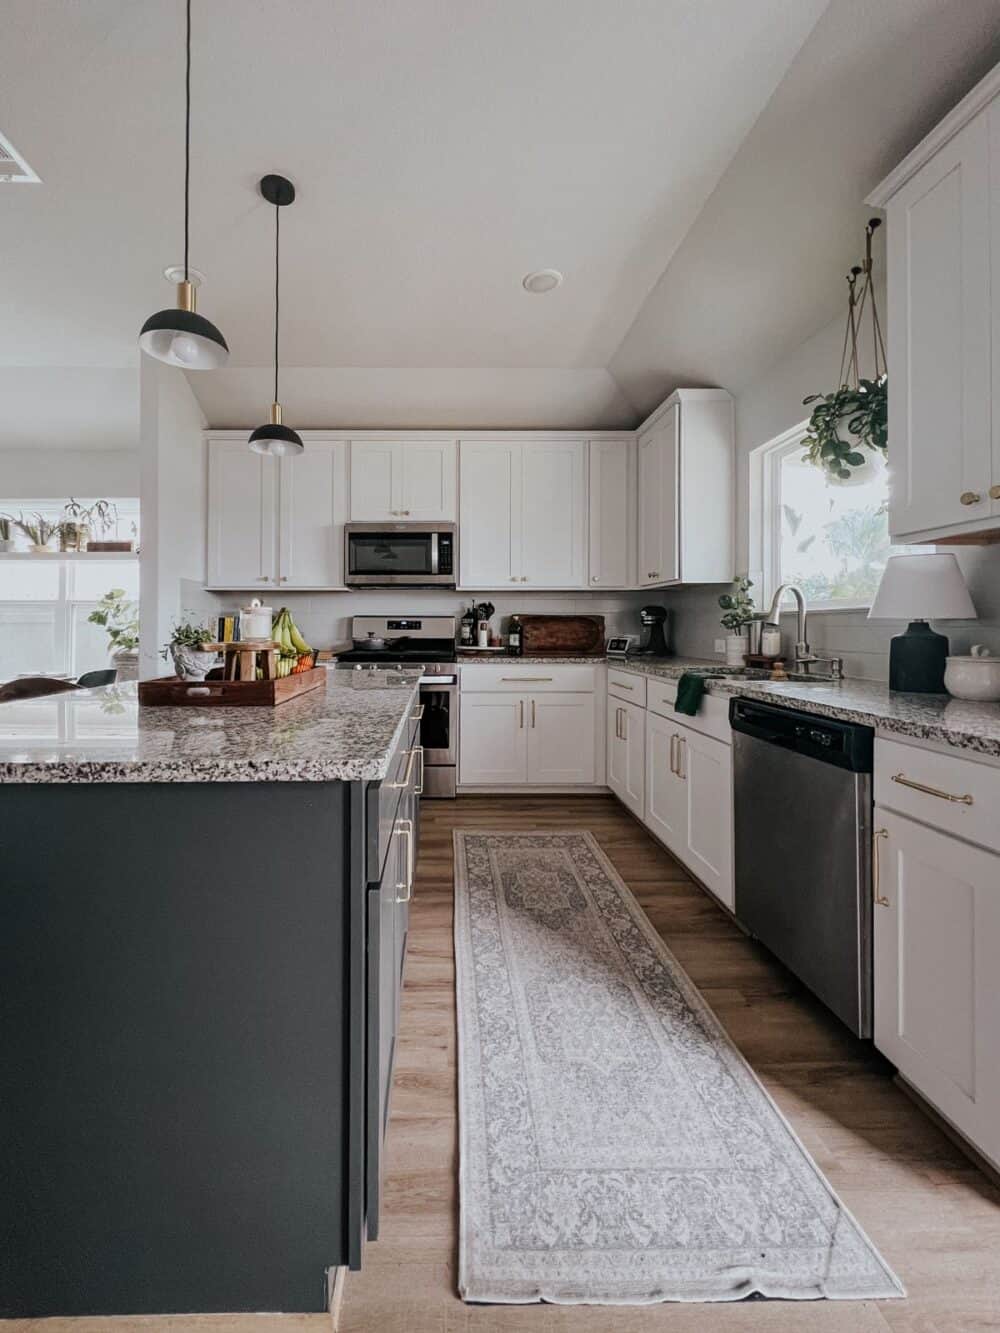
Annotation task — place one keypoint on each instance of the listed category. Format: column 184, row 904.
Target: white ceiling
column 695, row 168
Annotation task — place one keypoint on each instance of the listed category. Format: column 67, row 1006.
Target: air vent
column 13, row 168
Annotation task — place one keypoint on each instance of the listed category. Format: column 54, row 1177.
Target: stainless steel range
column 401, row 641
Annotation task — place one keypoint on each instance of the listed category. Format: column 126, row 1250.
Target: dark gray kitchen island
column 203, row 933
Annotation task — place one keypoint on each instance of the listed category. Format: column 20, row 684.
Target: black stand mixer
column 654, row 639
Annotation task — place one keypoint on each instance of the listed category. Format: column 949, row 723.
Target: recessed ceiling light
column 542, row 280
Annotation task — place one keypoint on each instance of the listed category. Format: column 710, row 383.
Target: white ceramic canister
column 256, row 621
column 974, row 677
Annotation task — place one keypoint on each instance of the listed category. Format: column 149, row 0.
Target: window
column 45, row 600
column 833, row 541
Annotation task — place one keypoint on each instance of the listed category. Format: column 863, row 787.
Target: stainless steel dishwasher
column 803, row 816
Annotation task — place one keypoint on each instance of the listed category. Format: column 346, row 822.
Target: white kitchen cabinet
column 626, row 751
column 522, row 513
column 689, row 800
column 408, row 480
column 937, row 939
column 613, row 496
column 685, row 503
column 241, row 549
column 561, row 741
column 943, row 271
column 275, row 522
column 493, row 740
column 312, row 491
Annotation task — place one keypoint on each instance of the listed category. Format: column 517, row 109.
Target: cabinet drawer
column 711, row 719
column 957, row 795
column 532, row 678
column 625, row 685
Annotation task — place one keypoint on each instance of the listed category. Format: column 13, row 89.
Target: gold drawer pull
column 878, row 835
column 619, row 685
column 970, row 498
column 932, row 791
column 525, row 680
column 417, row 714
column 995, row 492
column 398, row 786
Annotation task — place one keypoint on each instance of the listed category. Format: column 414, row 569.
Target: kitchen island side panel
column 175, row 1017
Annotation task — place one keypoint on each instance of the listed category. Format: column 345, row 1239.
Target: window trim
column 765, row 521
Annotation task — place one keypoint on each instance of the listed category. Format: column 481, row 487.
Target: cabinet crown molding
column 985, row 91
column 684, row 396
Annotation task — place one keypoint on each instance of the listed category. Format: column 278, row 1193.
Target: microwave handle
column 434, row 553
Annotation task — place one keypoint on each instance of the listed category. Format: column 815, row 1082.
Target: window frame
column 765, row 519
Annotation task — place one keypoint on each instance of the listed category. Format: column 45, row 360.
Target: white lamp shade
column 922, row 587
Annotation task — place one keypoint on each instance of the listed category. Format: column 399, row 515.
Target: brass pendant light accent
column 182, row 337
column 276, row 438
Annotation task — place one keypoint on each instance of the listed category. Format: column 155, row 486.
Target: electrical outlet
column 720, row 645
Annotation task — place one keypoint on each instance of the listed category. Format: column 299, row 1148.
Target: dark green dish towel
column 690, row 688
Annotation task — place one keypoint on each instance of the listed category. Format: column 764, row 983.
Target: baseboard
column 467, row 789
column 988, row 1168
column 335, row 1280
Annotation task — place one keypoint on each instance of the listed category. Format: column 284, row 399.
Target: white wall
column 45, row 473
column 172, row 495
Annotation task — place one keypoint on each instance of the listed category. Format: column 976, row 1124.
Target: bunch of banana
column 293, row 651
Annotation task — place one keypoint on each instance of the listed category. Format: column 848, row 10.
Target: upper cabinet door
column 658, row 493
column 403, row 479
column 427, row 472
column 242, row 536
column 375, row 481
column 938, row 226
column 313, row 507
column 553, row 524
column 490, row 510
column 612, row 513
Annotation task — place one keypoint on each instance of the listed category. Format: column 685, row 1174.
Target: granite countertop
column 466, row 658
column 928, row 717
column 343, row 732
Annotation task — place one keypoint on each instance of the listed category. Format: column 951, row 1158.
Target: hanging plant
column 848, row 429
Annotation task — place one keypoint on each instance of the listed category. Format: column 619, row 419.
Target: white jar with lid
column 974, row 677
column 256, row 621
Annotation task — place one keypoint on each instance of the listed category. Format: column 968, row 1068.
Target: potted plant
column 739, row 612
column 6, row 540
column 192, row 661
column 120, row 617
column 847, row 434
column 38, row 532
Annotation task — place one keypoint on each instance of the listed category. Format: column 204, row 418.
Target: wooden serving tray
column 171, row 691
column 573, row 636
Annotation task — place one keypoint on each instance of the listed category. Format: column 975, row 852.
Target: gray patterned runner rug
column 616, row 1148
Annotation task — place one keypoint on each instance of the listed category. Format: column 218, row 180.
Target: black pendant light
column 182, row 337
column 274, row 438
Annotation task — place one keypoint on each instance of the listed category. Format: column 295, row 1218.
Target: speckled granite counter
column 345, row 732
column 506, row 659
column 929, row 717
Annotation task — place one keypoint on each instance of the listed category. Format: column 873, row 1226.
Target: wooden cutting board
column 572, row 636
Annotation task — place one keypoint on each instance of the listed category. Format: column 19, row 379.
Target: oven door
column 416, row 555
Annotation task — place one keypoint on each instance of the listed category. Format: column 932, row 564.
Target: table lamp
column 919, row 588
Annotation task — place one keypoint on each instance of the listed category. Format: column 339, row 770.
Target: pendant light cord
column 187, row 139
column 277, row 251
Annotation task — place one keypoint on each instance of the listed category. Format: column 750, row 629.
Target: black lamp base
column 917, row 660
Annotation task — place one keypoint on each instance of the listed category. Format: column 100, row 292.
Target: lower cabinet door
column 627, row 754
column 493, row 745
column 383, row 983
column 666, row 795
column 706, row 770
column 937, row 941
column 561, row 740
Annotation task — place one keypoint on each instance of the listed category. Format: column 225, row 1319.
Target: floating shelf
column 53, row 557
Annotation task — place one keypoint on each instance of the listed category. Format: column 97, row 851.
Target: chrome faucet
column 804, row 656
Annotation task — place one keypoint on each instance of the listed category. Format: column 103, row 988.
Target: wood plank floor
column 934, row 1217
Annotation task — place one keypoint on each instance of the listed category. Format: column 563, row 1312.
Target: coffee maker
column 654, row 638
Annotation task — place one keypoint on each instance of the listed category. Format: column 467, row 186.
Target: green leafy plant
column 845, row 424
column 120, row 617
column 188, row 634
column 102, row 515
column 39, row 532
column 738, row 605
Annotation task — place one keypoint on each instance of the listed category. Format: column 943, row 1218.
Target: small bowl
column 974, row 677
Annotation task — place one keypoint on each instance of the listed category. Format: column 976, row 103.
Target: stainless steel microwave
column 400, row 555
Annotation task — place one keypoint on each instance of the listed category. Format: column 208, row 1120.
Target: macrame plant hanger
column 850, row 361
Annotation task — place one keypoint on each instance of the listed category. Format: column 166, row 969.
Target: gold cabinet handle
column 524, row 680
column 995, row 492
column 404, row 829
column 419, row 788
column 932, row 791
column 681, row 772
column 417, row 714
column 520, row 722
column 970, row 497
column 532, row 712
column 405, row 782
column 624, row 725
column 673, row 752
column 877, row 837
column 619, row 685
